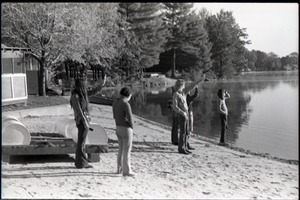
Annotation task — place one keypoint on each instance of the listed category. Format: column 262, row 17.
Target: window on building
column 27, row 62
column 7, row 66
column 35, row 64
column 18, row 65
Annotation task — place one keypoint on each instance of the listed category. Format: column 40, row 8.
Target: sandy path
column 210, row 172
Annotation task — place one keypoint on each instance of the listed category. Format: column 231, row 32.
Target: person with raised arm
column 80, row 105
column 181, row 108
column 190, row 99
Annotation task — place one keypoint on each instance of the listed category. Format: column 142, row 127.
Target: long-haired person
column 124, row 130
column 80, row 104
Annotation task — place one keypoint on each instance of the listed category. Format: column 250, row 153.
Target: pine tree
column 145, row 20
column 194, row 54
column 197, row 42
column 175, row 17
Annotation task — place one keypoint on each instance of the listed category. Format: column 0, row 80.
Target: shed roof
column 4, row 47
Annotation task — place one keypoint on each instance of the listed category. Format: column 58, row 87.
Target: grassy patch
column 37, row 101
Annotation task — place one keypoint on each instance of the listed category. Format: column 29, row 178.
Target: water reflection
column 263, row 111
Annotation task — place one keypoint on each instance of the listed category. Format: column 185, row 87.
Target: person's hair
column 80, row 89
column 220, row 91
column 125, row 92
column 178, row 84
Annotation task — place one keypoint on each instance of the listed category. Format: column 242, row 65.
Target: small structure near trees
column 19, row 73
column 13, row 74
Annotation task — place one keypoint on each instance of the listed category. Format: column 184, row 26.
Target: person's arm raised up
column 191, row 98
column 227, row 95
column 98, row 86
column 189, row 88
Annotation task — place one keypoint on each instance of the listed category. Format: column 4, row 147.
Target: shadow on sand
column 80, row 172
column 46, row 171
column 144, row 146
column 27, row 159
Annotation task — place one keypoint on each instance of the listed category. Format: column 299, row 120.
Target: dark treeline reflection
column 153, row 104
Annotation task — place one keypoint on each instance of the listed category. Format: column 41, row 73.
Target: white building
column 19, row 74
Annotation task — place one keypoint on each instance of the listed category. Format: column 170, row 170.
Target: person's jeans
column 124, row 135
column 223, row 127
column 191, row 121
column 175, row 126
column 80, row 156
column 184, row 132
column 191, row 128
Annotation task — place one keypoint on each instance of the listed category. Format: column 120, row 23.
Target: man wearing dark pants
column 223, row 111
column 181, row 108
column 223, row 127
column 175, row 125
column 183, row 138
column 190, row 99
column 175, row 122
column 81, row 160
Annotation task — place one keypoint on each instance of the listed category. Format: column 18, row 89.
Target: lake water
column 263, row 111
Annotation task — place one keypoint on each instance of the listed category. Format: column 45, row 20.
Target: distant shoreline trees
column 229, row 56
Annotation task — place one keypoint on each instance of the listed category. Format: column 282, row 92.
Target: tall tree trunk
column 67, row 71
column 42, row 89
column 174, row 64
column 94, row 74
column 46, row 77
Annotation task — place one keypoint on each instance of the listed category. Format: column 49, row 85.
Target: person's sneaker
column 191, row 148
column 81, row 167
column 129, row 174
column 119, row 171
column 184, row 152
column 223, row 144
column 188, row 151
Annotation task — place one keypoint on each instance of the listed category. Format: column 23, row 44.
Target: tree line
column 127, row 39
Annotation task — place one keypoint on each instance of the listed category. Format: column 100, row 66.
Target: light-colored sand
column 210, row 172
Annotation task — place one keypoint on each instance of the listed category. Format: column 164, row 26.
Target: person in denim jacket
column 180, row 106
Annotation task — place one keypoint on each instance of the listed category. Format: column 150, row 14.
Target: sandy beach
column 210, row 172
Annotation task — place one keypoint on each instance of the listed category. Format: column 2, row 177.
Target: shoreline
column 57, row 110
column 239, row 149
column 211, row 171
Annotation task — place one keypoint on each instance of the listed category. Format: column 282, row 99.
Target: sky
column 271, row 27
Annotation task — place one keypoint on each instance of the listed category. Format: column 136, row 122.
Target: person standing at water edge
column 175, row 123
column 181, row 108
column 190, row 99
column 223, row 111
column 124, row 130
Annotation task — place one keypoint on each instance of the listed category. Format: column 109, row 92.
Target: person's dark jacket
column 191, row 98
column 122, row 113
